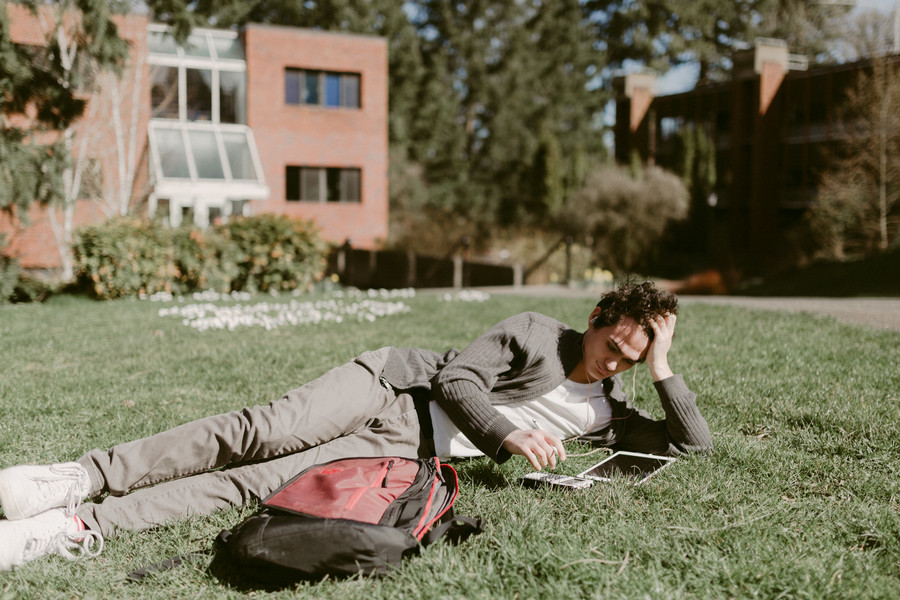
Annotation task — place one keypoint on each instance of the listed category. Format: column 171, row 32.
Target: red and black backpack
column 349, row 516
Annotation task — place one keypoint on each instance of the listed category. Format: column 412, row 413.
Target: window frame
column 219, row 131
column 182, row 61
column 302, row 77
column 296, row 185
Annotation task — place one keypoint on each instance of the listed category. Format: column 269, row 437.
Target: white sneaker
column 27, row 490
column 51, row 532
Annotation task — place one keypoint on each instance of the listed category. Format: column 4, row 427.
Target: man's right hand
column 658, row 353
column 539, row 447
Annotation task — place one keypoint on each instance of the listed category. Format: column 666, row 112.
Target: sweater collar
column 570, row 349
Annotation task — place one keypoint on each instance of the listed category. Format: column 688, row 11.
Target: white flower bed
column 466, row 296
column 208, row 296
column 336, row 307
column 271, row 315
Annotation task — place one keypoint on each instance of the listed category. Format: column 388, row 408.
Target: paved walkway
column 882, row 313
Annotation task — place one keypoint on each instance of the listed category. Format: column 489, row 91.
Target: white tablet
column 633, row 465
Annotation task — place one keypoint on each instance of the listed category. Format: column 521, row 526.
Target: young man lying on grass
column 521, row 388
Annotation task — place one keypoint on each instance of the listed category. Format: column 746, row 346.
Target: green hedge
column 275, row 253
column 128, row 257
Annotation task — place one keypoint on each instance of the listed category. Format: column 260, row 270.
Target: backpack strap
column 456, row 528
column 165, row 565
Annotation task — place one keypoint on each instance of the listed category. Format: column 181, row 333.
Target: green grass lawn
column 799, row 499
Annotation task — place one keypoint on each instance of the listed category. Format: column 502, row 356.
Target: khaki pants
column 222, row 461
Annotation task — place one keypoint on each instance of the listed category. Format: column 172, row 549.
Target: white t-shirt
column 570, row 410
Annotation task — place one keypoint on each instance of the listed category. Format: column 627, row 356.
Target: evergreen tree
column 517, row 69
column 548, row 178
column 660, row 33
column 42, row 94
column 19, row 161
column 812, row 29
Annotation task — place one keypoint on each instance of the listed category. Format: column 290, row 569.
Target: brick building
column 773, row 128
column 262, row 120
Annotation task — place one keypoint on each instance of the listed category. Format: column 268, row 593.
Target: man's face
column 612, row 349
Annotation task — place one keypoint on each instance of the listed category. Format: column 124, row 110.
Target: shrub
column 275, row 253
column 125, row 257
column 625, row 214
column 205, row 260
column 128, row 257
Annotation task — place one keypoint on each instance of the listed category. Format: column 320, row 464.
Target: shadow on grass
column 481, row 473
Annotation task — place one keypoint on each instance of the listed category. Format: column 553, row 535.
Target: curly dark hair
column 638, row 301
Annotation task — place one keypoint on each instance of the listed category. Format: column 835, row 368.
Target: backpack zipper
column 379, row 481
column 384, row 482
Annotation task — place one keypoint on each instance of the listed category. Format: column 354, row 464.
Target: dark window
column 322, row 184
column 351, row 185
column 311, row 184
column 818, row 99
column 198, row 101
column 199, row 94
column 291, row 86
column 240, row 208
column 311, row 87
column 321, row 88
column 797, row 103
column 332, row 89
column 350, row 89
column 231, row 100
column 164, row 92
column 292, row 183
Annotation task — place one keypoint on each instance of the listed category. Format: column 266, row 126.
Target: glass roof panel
column 182, row 148
column 172, row 155
column 240, row 158
column 206, row 154
column 197, row 44
column 228, row 47
column 160, row 42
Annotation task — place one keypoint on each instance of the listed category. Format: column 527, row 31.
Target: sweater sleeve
column 683, row 430
column 461, row 388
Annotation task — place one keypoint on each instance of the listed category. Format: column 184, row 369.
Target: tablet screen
column 628, row 464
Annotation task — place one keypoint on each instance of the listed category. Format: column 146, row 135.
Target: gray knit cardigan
column 524, row 357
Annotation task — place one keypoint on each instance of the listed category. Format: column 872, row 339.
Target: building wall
column 773, row 130
column 303, row 135
column 284, row 134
